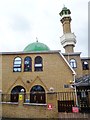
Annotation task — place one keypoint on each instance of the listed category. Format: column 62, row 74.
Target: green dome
column 36, row 46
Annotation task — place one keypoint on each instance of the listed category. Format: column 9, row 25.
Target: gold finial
column 63, row 5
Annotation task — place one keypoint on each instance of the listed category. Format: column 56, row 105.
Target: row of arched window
column 37, row 94
column 38, row 64
column 85, row 64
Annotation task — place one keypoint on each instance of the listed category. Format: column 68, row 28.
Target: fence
column 65, row 100
column 68, row 100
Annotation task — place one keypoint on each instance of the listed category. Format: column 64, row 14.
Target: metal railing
column 65, row 100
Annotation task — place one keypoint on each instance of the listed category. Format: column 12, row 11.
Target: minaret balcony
column 65, row 16
column 68, row 39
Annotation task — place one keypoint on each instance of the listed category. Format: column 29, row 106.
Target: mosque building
column 34, row 80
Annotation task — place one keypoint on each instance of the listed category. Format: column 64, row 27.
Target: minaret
column 68, row 39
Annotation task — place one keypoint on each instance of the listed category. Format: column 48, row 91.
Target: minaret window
column 17, row 64
column 85, row 65
column 27, row 64
column 73, row 63
column 38, row 66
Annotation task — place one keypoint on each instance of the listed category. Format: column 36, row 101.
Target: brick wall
column 23, row 110
column 30, row 110
column 55, row 73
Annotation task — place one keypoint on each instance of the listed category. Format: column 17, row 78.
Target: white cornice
column 63, row 16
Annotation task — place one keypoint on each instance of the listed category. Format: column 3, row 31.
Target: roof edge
column 32, row 52
column 75, row 53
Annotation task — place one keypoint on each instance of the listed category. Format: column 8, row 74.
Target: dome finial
column 36, row 39
column 63, row 5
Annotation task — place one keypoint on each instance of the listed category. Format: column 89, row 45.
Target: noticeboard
column 20, row 97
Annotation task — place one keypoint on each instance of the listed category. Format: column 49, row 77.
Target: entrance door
column 37, row 94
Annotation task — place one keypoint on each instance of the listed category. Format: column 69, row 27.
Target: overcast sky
column 21, row 21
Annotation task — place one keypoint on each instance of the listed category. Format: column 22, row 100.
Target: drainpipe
column 75, row 91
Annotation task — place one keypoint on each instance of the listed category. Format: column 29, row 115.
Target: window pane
column 17, row 65
column 85, row 65
column 17, row 62
column 27, row 64
column 73, row 63
column 38, row 64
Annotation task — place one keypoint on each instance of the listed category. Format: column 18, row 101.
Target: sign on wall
column 75, row 109
column 49, row 106
column 20, row 97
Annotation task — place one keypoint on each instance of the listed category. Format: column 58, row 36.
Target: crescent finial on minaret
column 36, row 39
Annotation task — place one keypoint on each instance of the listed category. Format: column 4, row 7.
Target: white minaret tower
column 68, row 39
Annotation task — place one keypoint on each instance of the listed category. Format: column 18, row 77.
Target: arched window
column 15, row 93
column 37, row 94
column 17, row 64
column 38, row 65
column 73, row 63
column 27, row 64
column 85, row 65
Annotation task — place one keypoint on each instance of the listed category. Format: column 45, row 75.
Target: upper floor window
column 73, row 63
column 38, row 65
column 85, row 65
column 27, row 64
column 17, row 64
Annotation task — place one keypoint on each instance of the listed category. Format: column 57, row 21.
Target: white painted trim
column 38, row 65
column 14, row 103
column 68, row 39
column 74, row 73
column 35, row 104
column 65, row 16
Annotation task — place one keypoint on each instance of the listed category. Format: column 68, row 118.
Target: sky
column 22, row 21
